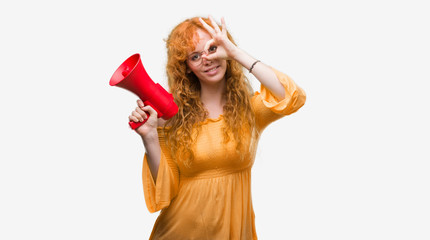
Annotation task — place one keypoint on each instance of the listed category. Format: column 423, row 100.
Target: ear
column 188, row 70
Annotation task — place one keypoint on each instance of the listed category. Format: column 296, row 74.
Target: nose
column 206, row 61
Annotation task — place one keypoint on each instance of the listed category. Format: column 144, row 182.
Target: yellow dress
column 212, row 199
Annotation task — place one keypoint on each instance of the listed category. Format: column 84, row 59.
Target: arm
column 160, row 173
column 148, row 133
column 262, row 72
column 153, row 152
column 227, row 50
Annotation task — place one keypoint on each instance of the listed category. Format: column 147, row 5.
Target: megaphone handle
column 135, row 125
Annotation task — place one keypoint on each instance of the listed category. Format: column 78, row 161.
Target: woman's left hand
column 225, row 48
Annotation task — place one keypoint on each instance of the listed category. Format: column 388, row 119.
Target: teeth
column 211, row 69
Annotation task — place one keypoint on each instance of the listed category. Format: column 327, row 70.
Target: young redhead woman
column 197, row 165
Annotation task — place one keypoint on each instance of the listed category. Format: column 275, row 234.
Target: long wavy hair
column 185, row 87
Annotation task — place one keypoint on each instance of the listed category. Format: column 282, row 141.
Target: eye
column 195, row 57
column 212, row 49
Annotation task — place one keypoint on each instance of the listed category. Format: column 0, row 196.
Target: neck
column 212, row 98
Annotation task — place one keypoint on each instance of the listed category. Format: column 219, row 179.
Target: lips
column 212, row 69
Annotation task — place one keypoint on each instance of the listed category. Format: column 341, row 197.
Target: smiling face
column 208, row 72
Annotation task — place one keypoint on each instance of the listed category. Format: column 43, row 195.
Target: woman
column 197, row 165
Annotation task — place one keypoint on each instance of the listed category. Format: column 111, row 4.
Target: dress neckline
column 217, row 119
column 206, row 121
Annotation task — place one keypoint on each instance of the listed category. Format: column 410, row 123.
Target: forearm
column 153, row 152
column 262, row 72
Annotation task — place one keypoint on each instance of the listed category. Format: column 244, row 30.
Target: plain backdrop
column 353, row 163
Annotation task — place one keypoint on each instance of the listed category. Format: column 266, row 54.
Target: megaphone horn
column 131, row 75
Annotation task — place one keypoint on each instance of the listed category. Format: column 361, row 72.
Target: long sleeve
column 159, row 195
column 268, row 108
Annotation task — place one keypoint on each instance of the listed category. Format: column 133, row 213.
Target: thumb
column 150, row 110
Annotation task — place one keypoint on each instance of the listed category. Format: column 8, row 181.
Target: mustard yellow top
column 212, row 199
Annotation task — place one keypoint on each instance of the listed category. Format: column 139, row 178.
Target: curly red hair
column 185, row 88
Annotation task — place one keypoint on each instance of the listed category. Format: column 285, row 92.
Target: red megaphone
column 131, row 75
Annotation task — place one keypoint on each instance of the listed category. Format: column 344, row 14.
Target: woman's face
column 208, row 72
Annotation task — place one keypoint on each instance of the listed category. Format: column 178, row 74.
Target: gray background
column 353, row 163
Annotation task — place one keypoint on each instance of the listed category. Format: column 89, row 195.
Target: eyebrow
column 195, row 52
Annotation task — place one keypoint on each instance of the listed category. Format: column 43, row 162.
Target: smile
column 212, row 69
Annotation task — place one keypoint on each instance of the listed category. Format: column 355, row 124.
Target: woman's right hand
column 140, row 114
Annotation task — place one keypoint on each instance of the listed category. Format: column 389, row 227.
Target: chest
column 214, row 155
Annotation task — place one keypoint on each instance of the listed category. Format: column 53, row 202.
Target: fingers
column 214, row 24
column 223, row 25
column 133, row 118
column 138, row 115
column 140, row 103
column 208, row 54
column 219, row 39
column 208, row 28
column 214, row 29
column 208, row 45
column 150, row 110
column 142, row 112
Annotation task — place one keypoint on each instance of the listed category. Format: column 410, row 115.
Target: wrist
column 244, row 59
column 237, row 54
column 150, row 135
